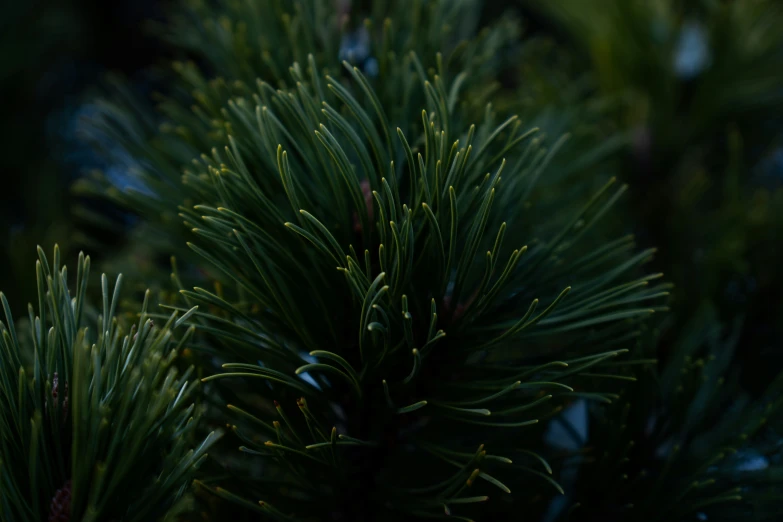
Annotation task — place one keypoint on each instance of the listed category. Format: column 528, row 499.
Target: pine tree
column 401, row 295
column 404, row 202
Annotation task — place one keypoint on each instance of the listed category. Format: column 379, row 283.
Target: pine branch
column 98, row 422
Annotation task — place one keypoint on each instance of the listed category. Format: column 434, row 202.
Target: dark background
column 54, row 55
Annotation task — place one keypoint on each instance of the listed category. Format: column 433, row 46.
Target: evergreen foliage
column 96, row 424
column 416, row 321
column 238, row 44
column 407, row 285
column 685, row 441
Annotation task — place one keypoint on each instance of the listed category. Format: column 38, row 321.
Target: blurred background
column 693, row 89
column 54, row 56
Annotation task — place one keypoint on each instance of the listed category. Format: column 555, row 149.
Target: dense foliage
column 99, row 425
column 408, row 279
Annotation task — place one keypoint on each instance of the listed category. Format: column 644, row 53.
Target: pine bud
column 60, row 507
